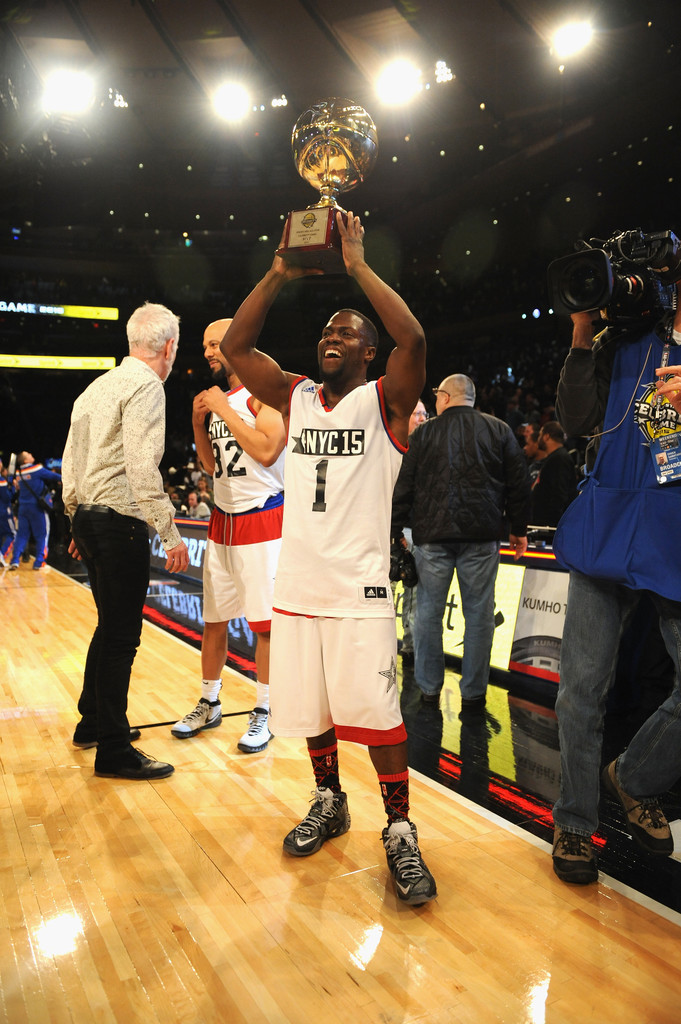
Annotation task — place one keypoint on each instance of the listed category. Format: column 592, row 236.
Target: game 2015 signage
column 45, row 309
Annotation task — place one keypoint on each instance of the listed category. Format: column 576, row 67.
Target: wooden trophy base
column 311, row 239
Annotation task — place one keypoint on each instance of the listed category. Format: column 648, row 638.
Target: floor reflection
column 505, row 760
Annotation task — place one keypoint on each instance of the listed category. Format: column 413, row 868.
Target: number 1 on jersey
column 319, row 505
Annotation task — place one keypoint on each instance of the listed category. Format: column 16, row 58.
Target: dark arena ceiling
column 479, row 182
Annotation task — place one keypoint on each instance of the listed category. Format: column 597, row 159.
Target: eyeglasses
column 440, row 391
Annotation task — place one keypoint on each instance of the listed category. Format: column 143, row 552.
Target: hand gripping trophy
column 334, row 147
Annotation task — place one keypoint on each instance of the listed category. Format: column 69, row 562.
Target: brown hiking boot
column 644, row 818
column 574, row 858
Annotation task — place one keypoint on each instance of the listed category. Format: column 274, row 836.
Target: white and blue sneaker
column 206, row 715
column 258, row 734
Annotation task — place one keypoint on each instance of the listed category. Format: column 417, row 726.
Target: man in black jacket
column 556, row 483
column 464, row 471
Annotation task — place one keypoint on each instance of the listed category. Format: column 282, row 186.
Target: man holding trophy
column 333, row 646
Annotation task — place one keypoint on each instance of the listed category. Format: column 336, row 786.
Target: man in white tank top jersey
column 334, row 645
column 243, row 448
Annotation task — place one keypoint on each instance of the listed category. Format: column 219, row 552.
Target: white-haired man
column 112, row 489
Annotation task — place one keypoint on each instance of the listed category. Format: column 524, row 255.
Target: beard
column 331, row 373
column 218, row 375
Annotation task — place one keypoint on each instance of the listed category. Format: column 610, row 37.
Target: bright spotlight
column 571, row 38
column 231, row 101
column 398, row 83
column 68, row 92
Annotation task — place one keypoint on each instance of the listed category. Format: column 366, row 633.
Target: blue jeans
column 597, row 614
column 115, row 549
column 408, row 605
column 476, row 565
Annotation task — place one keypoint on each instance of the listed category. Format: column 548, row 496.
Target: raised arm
column 584, row 381
column 405, row 374
column 261, row 374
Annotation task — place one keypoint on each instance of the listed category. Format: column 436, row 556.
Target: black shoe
column 414, row 883
column 473, row 705
column 133, row 764
column 83, row 741
column 431, row 698
column 327, row 818
column 574, row 858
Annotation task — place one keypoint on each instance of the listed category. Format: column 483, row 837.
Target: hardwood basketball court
column 172, row 901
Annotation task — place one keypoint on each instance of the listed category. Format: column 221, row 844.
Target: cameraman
column 614, row 538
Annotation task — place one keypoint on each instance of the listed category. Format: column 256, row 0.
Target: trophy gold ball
column 335, row 145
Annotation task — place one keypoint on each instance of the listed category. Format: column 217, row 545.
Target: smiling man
column 334, row 646
column 240, row 442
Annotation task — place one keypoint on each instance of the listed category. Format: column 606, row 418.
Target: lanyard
column 659, row 414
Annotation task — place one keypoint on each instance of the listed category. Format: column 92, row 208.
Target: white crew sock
column 210, row 688
column 262, row 695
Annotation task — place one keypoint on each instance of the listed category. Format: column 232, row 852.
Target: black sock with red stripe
column 395, row 793
column 325, row 768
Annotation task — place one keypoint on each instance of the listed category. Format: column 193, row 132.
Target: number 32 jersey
column 239, row 482
column 341, row 467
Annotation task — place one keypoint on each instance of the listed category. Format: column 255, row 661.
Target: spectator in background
column 419, row 416
column 204, row 492
column 513, row 416
column 464, row 471
column 8, row 527
column 196, row 509
column 533, row 453
column 555, row 485
column 35, row 503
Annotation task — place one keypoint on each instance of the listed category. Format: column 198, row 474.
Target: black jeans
column 115, row 549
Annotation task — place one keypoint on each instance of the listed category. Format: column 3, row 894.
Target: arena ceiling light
column 571, row 38
column 68, row 92
column 398, row 83
column 231, row 101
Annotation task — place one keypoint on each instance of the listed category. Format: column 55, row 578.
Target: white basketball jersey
column 239, row 482
column 341, row 467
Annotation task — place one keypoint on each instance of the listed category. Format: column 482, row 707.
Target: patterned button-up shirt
column 115, row 445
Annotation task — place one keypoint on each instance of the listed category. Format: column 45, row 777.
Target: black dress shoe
column 134, row 764
column 84, row 742
column 473, row 705
column 432, row 699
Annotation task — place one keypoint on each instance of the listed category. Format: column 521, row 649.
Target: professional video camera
column 627, row 276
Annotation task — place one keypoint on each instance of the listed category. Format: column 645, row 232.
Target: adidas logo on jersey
column 376, row 592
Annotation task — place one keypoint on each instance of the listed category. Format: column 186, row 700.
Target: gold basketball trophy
column 334, row 147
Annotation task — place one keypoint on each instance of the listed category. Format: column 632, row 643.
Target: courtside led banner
column 44, row 309
column 529, row 613
column 24, row 362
